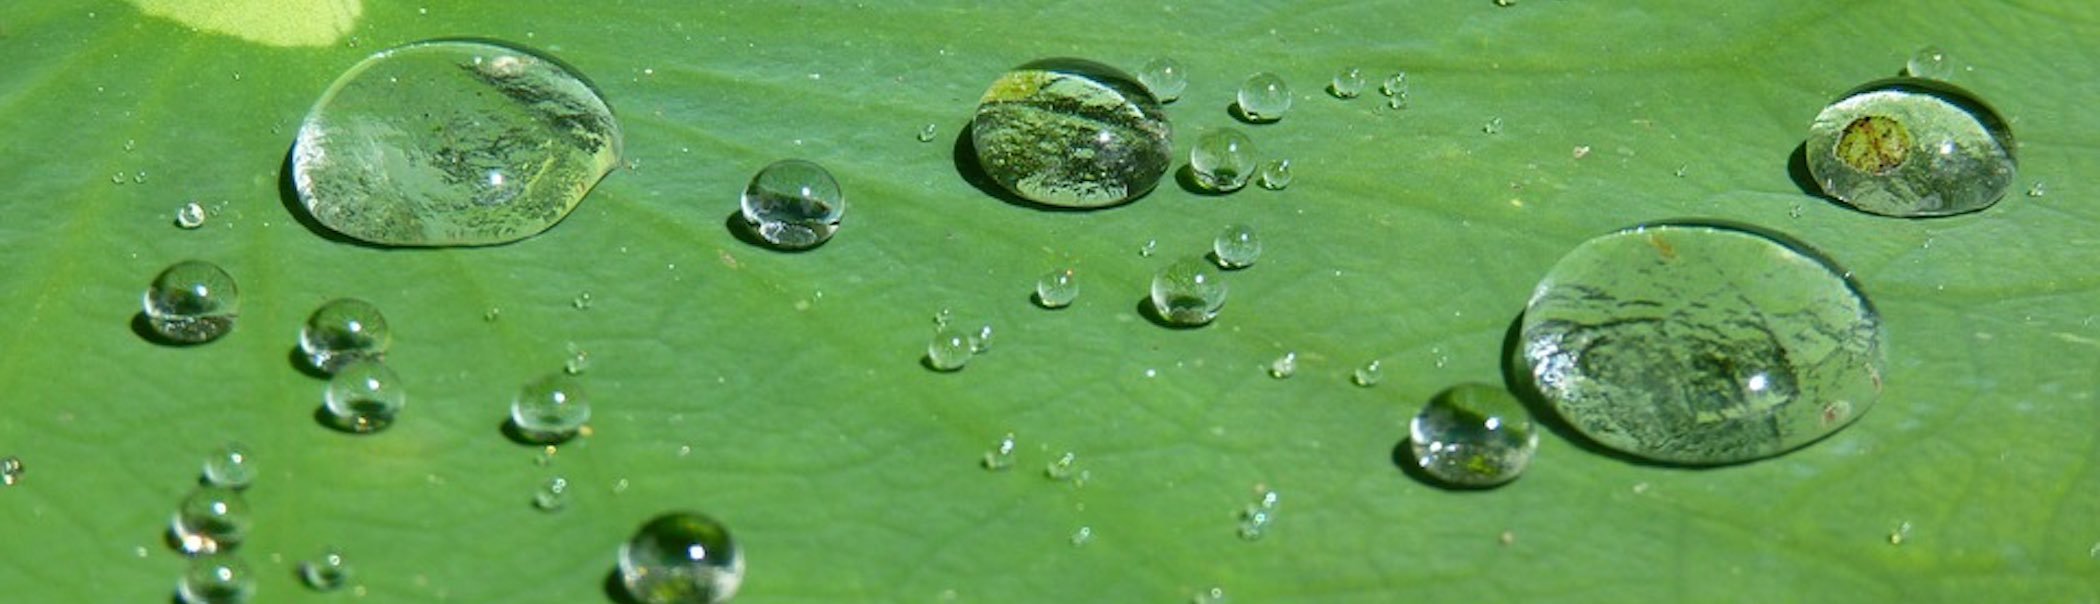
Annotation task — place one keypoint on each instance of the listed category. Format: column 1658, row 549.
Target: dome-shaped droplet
column 344, row 330
column 681, row 558
column 211, row 519
column 1909, row 147
column 551, row 409
column 1188, row 292
column 364, row 396
column 1222, row 160
column 1473, row 435
column 220, row 578
column 1264, row 97
column 192, row 301
column 793, row 204
column 1072, row 133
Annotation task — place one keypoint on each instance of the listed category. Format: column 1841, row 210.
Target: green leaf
column 783, row 393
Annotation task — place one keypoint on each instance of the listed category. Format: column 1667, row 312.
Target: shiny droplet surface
column 1264, row 97
column 793, row 204
column 1930, row 63
column 1395, row 89
column 229, row 466
column 1369, row 374
column 452, row 142
column 1701, row 343
column 190, row 215
column 681, row 558
column 1284, row 366
column 551, row 409
column 1072, row 133
column 327, row 572
column 1222, row 160
column 192, row 301
column 1909, row 147
column 1473, row 435
column 1188, row 292
column 364, row 397
column 950, row 349
column 11, row 470
column 220, row 578
column 1348, row 83
column 1001, row 455
column 211, row 519
column 1165, row 77
column 1057, row 289
column 1238, row 246
column 1276, row 174
column 342, row 331
column 552, row 496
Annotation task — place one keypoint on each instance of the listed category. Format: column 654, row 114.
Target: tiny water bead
column 190, row 215
column 1165, row 78
column 211, row 519
column 2037, row 190
column 192, row 301
column 1264, row 97
column 452, row 142
column 681, row 558
column 1395, row 90
column 1368, row 375
column 1284, row 366
column 216, row 579
column 1256, row 518
column 793, row 204
column 326, row 572
column 1057, row 289
column 1347, row 84
column 364, row 396
column 1701, row 343
column 552, row 496
column 1276, row 174
column 1001, row 456
column 11, row 470
column 1238, row 246
column 981, row 341
column 1222, row 160
column 582, row 301
column 1473, row 435
column 229, row 466
column 1493, row 126
column 1908, row 147
column 1188, row 292
column 551, row 409
column 1930, row 63
column 927, row 132
column 1062, row 468
column 1215, row 595
column 1083, row 536
column 950, row 349
column 1072, row 133
column 342, row 331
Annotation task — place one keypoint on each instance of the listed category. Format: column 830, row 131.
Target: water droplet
column 578, row 361
column 130, row 145
column 326, row 572
column 582, row 301
column 793, row 204
column 1284, row 366
column 681, row 558
column 981, row 341
column 192, row 301
column 1700, row 344
column 139, row 178
column 1930, row 63
column 926, row 133
column 1796, row 211
column 1395, row 90
column 1001, row 456
column 1911, row 148
column 1083, row 536
column 1062, row 468
column 1215, row 595
column 944, row 316
column 216, row 579
column 452, row 142
column 1236, row 247
column 1256, row 518
column 1072, row 133
column 2037, row 190
column 1348, row 83
column 1276, row 174
column 1368, row 375
column 1901, row 534
column 1473, row 435
column 1222, row 160
column 1681, row 171
column 190, row 215
column 1165, row 78
column 211, row 519
column 117, row 179
column 1188, row 292
column 342, row 331
column 229, row 466
column 1493, row 126
column 1581, row 151
column 1264, row 97
column 11, row 470
column 492, row 314
column 1150, row 246
column 1057, row 288
column 1505, row 3
column 364, row 396
column 552, row 496
column 949, row 350
column 551, row 409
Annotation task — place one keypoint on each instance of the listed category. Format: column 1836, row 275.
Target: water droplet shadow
column 305, row 365
column 510, row 430
column 616, row 590
column 1516, row 376
column 743, row 231
column 1146, row 309
column 288, row 194
column 964, row 155
column 143, row 328
column 1186, row 177
column 337, row 424
column 1797, row 171
column 1214, row 260
column 926, row 360
column 1240, row 113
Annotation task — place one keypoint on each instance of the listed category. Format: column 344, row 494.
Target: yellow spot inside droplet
column 270, row 22
column 1874, row 144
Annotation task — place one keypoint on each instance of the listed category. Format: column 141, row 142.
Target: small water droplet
column 190, row 215
column 582, row 301
column 492, row 314
column 1368, row 375
column 981, row 341
column 117, row 179
column 1395, row 90
column 1473, row 435
column 1063, row 468
column 1284, row 366
column 1057, row 289
column 1796, row 211
column 140, row 177
column 229, row 466
column 926, row 133
column 1147, row 249
column 1931, row 63
column 551, row 409
column 364, row 396
column 1000, row 456
column 219, row 578
column 1222, row 160
column 192, row 302
column 1493, row 126
column 950, row 349
column 1901, row 534
column 1276, row 174
column 1189, row 292
column 1505, row 3
column 552, row 496
column 1264, row 97
column 2037, row 190
column 793, row 204
column 1236, row 247
column 1347, row 84
column 683, row 557
column 1083, row 536
column 1507, row 538
column 11, row 470
column 578, row 360
column 130, row 145
column 1582, row 151
column 211, row 519
column 1165, row 78
column 342, row 331
column 1681, row 171
column 326, row 572
column 1215, row 595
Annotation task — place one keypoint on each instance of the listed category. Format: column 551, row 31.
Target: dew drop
column 927, row 132
column 1165, row 77
column 192, row 302
column 578, row 360
column 1222, row 160
column 1911, row 148
column 11, row 470
column 681, row 558
column 1493, row 126
column 551, row 409
column 190, row 215
column 1276, row 174
column 326, row 572
column 342, row 331
column 1473, row 435
column 229, row 466
column 219, row 578
column 1264, row 97
column 1057, row 289
column 981, row 341
column 1930, row 63
column 1368, row 375
column 1395, row 90
column 364, row 396
column 1083, row 536
column 552, row 496
column 1284, row 366
column 211, row 519
column 1062, row 468
column 1033, row 138
column 1236, row 247
column 793, row 204
column 1000, row 456
column 1188, row 292
column 1348, row 83
column 949, row 350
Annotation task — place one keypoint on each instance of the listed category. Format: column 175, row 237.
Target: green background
column 849, row 472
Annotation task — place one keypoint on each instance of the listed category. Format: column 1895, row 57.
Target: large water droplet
column 364, row 396
column 793, row 204
column 1909, row 147
column 1072, row 133
column 192, row 301
column 681, row 558
column 1188, row 292
column 1701, row 343
column 1473, row 435
column 342, row 331
column 551, row 409
column 452, row 142
column 216, row 579
column 1222, row 160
